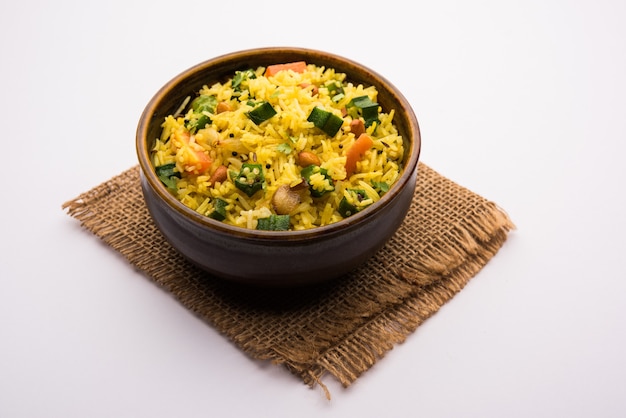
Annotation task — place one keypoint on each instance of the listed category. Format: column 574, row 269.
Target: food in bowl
column 286, row 146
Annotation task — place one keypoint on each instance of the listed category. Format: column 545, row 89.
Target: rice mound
column 231, row 139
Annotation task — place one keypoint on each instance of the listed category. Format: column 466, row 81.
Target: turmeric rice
column 285, row 147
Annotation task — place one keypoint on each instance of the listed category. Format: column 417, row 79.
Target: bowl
column 276, row 258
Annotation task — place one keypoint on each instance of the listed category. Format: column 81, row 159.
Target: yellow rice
column 232, row 139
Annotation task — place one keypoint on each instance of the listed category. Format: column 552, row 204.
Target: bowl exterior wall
column 275, row 259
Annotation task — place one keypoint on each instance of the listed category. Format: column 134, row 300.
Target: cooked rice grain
column 232, row 139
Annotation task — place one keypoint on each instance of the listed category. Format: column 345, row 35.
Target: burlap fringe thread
column 341, row 328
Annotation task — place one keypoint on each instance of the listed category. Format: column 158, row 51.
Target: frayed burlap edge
column 365, row 346
column 430, row 281
column 482, row 237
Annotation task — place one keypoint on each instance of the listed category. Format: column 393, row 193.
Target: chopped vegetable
column 197, row 121
column 325, row 120
column 356, row 152
column 380, row 186
column 201, row 104
column 204, row 103
column 198, row 162
column 261, row 113
column 298, row 67
column 250, row 179
column 318, row 179
column 348, row 207
column 167, row 174
column 285, row 148
column 335, row 90
column 365, row 107
column 318, row 116
column 240, row 77
column 274, row 223
column 219, row 210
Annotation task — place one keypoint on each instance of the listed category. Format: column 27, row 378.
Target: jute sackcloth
column 341, row 327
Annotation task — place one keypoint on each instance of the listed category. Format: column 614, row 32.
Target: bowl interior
column 170, row 96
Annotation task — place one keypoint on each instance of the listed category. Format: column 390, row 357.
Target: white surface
column 523, row 102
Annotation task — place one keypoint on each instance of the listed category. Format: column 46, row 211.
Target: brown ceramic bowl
column 284, row 258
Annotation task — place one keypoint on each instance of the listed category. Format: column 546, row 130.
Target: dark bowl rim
column 148, row 173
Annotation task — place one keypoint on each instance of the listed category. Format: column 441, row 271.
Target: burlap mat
column 341, row 327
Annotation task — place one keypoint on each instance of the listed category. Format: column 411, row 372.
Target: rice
column 263, row 124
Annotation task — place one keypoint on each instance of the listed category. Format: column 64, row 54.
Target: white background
column 523, row 102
